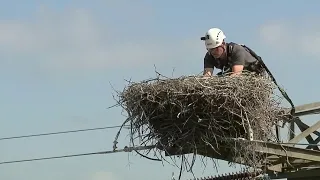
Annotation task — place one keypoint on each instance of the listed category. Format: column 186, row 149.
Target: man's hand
column 236, row 70
column 208, row 72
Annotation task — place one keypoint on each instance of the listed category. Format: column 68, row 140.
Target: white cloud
column 77, row 40
column 103, row 176
column 299, row 36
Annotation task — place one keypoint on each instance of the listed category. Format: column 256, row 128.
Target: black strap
column 268, row 71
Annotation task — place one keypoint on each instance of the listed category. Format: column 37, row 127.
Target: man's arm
column 208, row 65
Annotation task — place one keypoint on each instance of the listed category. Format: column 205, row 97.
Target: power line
column 125, row 149
column 61, row 132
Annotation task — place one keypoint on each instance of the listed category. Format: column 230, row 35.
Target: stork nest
column 203, row 115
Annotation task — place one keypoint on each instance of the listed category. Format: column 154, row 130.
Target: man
column 228, row 57
column 233, row 58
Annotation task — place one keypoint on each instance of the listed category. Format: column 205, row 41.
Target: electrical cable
column 306, row 144
column 125, row 149
column 61, row 132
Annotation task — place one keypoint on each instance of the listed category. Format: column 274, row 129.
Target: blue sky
column 58, row 59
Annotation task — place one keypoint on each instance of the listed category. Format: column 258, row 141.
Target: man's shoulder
column 209, row 61
column 240, row 51
column 208, row 56
column 236, row 47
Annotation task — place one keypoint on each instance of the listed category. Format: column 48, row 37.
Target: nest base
column 196, row 115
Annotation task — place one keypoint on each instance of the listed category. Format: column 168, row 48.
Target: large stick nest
column 195, row 113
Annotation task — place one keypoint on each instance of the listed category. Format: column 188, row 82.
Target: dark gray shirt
column 238, row 56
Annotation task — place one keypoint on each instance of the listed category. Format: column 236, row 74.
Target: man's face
column 217, row 52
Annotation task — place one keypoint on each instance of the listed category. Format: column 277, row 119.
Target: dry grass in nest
column 193, row 112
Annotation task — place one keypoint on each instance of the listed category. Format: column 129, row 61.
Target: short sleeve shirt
column 238, row 56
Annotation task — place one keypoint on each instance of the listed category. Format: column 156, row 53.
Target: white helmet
column 213, row 38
